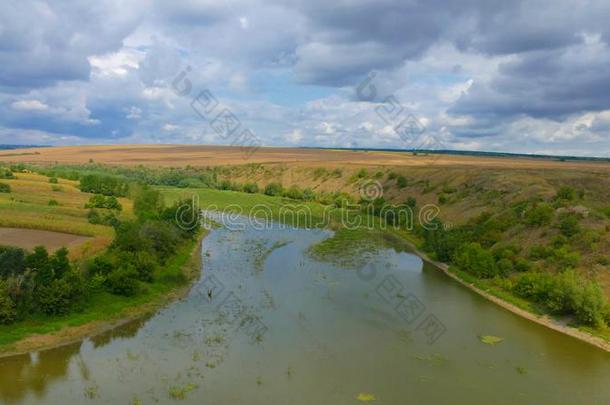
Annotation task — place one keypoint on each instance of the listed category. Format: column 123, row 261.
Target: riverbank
column 543, row 320
column 106, row 312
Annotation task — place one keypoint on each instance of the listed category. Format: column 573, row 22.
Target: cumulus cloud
column 516, row 76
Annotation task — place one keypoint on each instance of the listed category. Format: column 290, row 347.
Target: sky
column 513, row 76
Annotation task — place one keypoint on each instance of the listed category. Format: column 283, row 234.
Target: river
column 269, row 324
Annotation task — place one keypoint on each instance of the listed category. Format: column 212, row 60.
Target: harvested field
column 206, row 155
column 30, row 238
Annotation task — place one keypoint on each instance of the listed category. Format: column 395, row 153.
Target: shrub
column 540, row 252
column 505, row 266
column 534, row 286
column 5, row 188
column 540, row 215
column 392, row 175
column 53, row 180
column 343, row 200
column 401, row 181
column 94, row 217
column 6, row 174
column 362, row 173
column 274, row 189
column 411, row 202
column 294, row 193
column 250, row 188
column 53, row 203
column 565, row 258
column 566, row 193
column 568, row 225
column 308, row 194
column 225, row 185
column 522, row 264
column 447, row 189
column 607, row 211
column 442, row 199
column 559, row 240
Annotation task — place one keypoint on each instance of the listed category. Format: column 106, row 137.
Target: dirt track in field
column 30, row 238
column 206, row 155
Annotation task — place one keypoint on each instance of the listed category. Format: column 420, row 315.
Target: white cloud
column 29, row 105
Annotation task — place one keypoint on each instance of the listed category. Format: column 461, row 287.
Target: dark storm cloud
column 545, row 84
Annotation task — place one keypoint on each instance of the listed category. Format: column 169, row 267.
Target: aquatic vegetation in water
column 132, row 356
column 521, row 370
column 214, row 340
column 136, row 401
column 366, row 397
column 490, row 340
column 91, row 392
column 405, row 336
column 435, row 358
column 177, row 392
column 259, row 380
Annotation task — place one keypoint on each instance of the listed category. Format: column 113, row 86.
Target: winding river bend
column 269, row 324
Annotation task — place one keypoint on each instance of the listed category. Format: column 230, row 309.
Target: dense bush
column 101, row 201
column 564, row 294
column 53, row 180
column 541, row 214
column 5, row 188
column 106, row 185
column 479, row 262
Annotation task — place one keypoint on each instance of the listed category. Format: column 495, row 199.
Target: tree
column 12, row 261
column 59, row 263
column 148, row 204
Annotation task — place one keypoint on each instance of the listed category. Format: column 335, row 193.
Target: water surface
column 268, row 324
